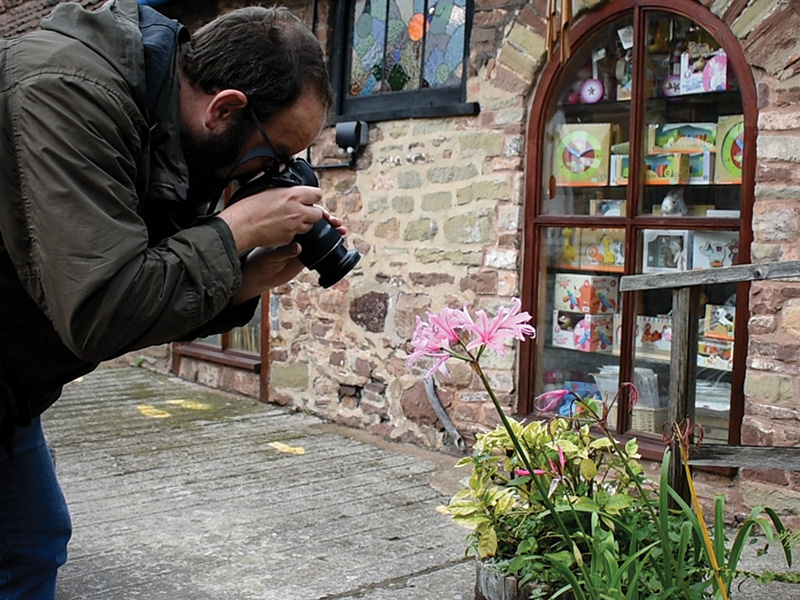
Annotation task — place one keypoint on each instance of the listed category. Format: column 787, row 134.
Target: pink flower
column 517, row 322
column 488, row 333
column 449, row 321
column 550, row 401
column 509, row 323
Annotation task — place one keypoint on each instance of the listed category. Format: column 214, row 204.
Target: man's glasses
column 272, row 164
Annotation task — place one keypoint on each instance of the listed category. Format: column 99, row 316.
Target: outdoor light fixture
column 351, row 136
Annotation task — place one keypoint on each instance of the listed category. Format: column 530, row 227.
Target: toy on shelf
column 666, row 169
column 673, row 204
column 713, row 249
column 588, row 294
column 668, row 138
column 603, row 249
column 730, row 149
column 570, row 241
column 581, row 154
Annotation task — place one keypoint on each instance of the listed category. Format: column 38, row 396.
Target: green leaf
column 588, row 469
column 487, row 544
column 600, row 443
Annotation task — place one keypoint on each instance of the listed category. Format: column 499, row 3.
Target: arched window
column 642, row 152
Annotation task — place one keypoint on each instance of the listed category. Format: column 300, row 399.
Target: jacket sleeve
column 80, row 247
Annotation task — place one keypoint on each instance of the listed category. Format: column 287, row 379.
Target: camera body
column 323, row 247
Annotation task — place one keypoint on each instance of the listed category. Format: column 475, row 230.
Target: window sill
column 230, row 358
column 462, row 109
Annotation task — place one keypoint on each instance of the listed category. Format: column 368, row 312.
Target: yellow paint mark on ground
column 151, row 411
column 189, row 404
column 281, row 447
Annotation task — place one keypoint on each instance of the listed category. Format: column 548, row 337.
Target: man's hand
column 273, row 217
column 266, row 268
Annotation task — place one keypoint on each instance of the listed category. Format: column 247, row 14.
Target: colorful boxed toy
column 730, row 149
column 665, row 250
column 704, row 70
column 603, row 249
column 588, row 294
column 564, row 328
column 714, row 354
column 666, row 169
column 668, row 138
column 701, row 168
column 719, row 322
column 620, row 169
column 581, row 155
column 594, row 333
column 653, row 337
column 712, row 249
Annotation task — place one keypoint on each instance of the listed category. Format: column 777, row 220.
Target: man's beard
column 206, row 156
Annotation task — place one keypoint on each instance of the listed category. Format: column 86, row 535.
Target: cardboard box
column 701, row 168
column 588, row 294
column 653, row 337
column 714, row 354
column 730, row 149
column 669, row 138
column 719, row 322
column 606, row 207
column 581, row 154
column 584, row 332
column 712, row 249
column 594, row 333
column 704, row 70
column 665, row 250
column 564, row 328
column 666, row 169
column 620, row 169
column 603, row 249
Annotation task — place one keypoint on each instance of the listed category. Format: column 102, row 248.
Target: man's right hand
column 273, row 217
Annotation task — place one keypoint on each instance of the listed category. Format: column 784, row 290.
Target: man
column 116, row 132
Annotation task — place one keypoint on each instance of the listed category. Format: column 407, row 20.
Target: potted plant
column 562, row 509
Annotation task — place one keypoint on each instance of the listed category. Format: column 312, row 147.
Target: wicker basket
column 643, row 418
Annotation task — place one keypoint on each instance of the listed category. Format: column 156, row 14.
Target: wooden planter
column 490, row 584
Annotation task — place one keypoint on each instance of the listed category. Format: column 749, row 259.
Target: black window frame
column 429, row 102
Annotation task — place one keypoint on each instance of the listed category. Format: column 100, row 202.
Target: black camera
column 323, row 246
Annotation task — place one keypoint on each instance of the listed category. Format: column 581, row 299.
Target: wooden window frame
column 535, row 222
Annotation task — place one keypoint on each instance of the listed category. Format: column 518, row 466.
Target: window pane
column 585, row 162
column 578, row 313
column 369, row 35
column 248, row 337
column 692, row 142
column 404, row 45
column 390, row 37
column 444, row 43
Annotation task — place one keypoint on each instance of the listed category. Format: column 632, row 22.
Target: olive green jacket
column 91, row 177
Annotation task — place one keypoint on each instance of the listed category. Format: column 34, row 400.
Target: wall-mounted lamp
column 351, row 136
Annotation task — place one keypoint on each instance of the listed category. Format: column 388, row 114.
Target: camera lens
column 324, row 251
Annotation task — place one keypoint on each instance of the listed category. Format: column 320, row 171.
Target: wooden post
column 683, row 373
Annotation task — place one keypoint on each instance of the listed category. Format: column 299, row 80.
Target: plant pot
column 490, row 584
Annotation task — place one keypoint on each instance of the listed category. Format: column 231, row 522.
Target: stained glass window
column 406, row 45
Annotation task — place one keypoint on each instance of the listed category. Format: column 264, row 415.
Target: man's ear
column 222, row 107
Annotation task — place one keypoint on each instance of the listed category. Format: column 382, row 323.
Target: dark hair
column 267, row 53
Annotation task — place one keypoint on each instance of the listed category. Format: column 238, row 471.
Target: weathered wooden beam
column 682, row 371
column 782, row 458
column 734, row 274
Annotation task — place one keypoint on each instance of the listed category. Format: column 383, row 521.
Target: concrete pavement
column 183, row 493
column 180, row 492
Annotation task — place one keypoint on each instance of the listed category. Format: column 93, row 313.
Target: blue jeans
column 34, row 520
